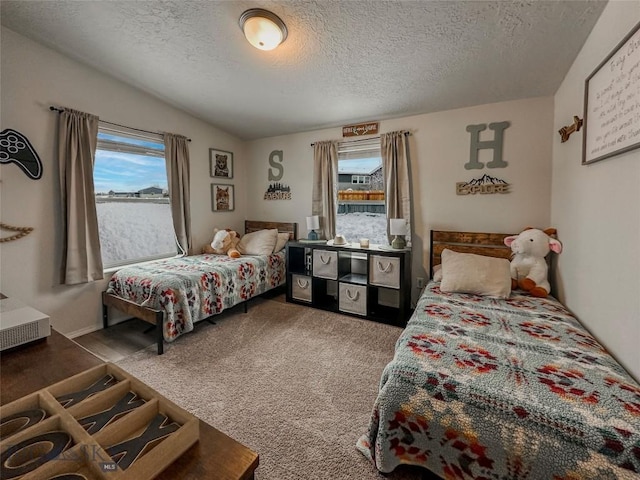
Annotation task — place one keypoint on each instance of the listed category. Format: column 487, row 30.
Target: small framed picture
column 222, row 197
column 220, row 163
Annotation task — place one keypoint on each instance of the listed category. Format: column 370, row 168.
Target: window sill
column 112, row 270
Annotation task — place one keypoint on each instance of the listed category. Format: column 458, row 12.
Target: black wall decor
column 16, row 148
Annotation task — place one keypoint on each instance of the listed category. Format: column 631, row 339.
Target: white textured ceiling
column 344, row 61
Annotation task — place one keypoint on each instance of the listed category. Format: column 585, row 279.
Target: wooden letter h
column 495, row 144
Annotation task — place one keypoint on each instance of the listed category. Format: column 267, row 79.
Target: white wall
column 34, row 77
column 439, row 150
column 596, row 209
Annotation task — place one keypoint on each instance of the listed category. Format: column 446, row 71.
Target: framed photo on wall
column 611, row 103
column 222, row 197
column 220, row 163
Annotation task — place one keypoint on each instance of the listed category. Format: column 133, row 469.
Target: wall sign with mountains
column 485, row 184
column 278, row 191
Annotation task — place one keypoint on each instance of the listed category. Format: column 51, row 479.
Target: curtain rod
column 407, row 133
column 61, row 109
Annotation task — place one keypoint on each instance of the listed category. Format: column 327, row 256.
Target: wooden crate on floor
column 100, row 424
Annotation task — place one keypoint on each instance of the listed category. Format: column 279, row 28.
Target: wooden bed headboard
column 285, row 227
column 488, row 244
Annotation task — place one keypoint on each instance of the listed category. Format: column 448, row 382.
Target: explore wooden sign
column 484, row 184
column 370, row 128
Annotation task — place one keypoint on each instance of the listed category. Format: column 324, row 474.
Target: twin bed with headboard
column 514, row 388
column 174, row 293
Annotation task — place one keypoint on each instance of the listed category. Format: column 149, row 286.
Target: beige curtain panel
column 176, row 151
column 395, row 169
column 77, row 140
column 325, row 190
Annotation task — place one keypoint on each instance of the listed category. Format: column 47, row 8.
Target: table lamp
column 313, row 223
column 398, row 227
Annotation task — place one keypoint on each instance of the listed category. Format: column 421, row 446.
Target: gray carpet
column 294, row 384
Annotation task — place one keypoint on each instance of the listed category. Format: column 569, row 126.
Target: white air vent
column 21, row 324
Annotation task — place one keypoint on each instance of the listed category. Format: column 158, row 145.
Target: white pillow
column 470, row 273
column 282, row 239
column 260, row 242
column 437, row 273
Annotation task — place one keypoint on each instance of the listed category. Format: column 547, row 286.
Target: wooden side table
column 31, row 367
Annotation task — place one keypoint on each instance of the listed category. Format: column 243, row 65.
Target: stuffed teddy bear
column 528, row 267
column 224, row 242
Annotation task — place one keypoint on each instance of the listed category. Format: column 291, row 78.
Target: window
column 361, row 203
column 361, row 179
column 132, row 200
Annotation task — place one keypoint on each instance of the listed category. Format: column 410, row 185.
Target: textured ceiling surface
column 344, row 61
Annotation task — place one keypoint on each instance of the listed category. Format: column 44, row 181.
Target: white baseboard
column 93, row 328
column 83, row 331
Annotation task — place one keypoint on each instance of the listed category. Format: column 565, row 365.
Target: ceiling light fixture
column 263, row 29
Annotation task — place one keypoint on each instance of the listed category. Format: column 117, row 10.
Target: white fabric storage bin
column 353, row 298
column 301, row 287
column 325, row 264
column 384, row 271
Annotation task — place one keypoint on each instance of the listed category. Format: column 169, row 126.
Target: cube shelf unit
column 365, row 282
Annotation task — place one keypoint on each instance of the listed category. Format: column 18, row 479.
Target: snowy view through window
column 357, row 225
column 132, row 202
column 361, row 205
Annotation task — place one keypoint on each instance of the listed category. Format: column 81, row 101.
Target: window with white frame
column 132, row 200
column 361, row 179
column 361, row 203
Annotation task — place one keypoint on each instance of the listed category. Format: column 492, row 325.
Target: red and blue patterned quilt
column 482, row 388
column 195, row 287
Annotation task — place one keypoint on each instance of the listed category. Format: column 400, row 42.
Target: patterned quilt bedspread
column 193, row 288
column 503, row 389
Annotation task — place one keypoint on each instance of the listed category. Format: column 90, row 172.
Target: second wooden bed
column 175, row 293
column 490, row 388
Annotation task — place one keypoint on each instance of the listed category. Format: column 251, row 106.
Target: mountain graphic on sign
column 487, row 180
